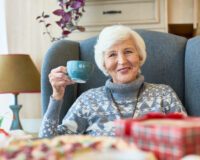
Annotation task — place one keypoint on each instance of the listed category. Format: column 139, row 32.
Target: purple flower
column 77, row 4
column 69, row 12
column 65, row 33
column 66, row 17
column 58, row 12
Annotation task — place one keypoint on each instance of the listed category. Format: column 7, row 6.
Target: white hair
column 110, row 36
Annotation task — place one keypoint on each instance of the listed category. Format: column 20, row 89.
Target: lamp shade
column 18, row 74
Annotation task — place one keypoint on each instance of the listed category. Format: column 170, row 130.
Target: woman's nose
column 122, row 58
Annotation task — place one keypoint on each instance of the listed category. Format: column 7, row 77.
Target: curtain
column 5, row 99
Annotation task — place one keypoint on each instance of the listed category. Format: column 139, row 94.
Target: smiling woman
column 119, row 53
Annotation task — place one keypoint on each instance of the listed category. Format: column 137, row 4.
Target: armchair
column 171, row 60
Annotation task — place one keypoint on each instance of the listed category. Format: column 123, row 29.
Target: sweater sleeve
column 51, row 119
column 171, row 102
column 74, row 122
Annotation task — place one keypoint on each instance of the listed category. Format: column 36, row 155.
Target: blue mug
column 79, row 71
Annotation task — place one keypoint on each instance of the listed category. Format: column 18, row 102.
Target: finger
column 59, row 81
column 59, row 69
column 54, row 79
column 59, row 84
column 58, row 76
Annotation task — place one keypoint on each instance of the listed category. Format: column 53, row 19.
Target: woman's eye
column 128, row 51
column 112, row 55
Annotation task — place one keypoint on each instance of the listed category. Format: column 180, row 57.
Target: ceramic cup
column 79, row 71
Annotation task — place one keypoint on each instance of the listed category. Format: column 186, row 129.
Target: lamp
column 18, row 74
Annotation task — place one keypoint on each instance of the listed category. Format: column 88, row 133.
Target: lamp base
column 16, row 124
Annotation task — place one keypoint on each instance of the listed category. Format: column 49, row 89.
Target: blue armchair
column 171, row 60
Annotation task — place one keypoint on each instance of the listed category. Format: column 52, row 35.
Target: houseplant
column 69, row 13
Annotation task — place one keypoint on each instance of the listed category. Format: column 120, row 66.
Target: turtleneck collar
column 125, row 90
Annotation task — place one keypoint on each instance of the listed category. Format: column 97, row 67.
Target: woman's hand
column 59, row 80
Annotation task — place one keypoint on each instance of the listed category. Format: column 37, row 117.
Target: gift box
column 170, row 137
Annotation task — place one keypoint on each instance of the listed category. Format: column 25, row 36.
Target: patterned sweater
column 94, row 111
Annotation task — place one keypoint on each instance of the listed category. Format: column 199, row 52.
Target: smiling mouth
column 124, row 69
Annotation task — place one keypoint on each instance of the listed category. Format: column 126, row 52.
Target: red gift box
column 170, row 137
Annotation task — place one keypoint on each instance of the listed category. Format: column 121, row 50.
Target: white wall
column 5, row 99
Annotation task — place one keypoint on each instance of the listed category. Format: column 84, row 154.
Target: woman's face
column 122, row 61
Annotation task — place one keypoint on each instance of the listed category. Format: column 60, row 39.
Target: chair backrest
column 192, row 76
column 164, row 64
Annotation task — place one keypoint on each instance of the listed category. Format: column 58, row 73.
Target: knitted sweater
column 94, row 111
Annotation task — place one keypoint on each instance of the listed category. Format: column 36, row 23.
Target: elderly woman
column 119, row 53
